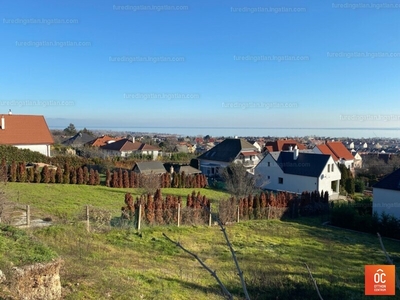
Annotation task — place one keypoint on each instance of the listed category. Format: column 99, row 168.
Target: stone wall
column 36, row 282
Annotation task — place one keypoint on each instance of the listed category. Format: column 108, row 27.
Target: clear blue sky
column 232, row 54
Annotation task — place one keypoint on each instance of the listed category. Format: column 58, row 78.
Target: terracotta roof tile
column 282, row 145
column 25, row 130
column 326, row 150
column 102, row 141
column 340, row 150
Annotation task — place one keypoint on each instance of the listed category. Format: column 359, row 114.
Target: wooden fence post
column 209, row 217
column 28, row 216
column 179, row 213
column 238, row 214
column 87, row 219
column 139, row 217
column 269, row 210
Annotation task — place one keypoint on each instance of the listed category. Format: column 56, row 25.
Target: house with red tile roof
column 103, row 140
column 26, row 132
column 283, row 145
column 338, row 151
column 125, row 147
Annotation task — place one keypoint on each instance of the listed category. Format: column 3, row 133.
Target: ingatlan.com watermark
column 355, row 54
column 158, row 96
column 60, row 44
column 154, row 59
column 42, row 103
column 157, row 8
column 278, row 58
column 263, row 105
column 39, row 21
column 366, row 5
column 370, row 117
column 262, row 9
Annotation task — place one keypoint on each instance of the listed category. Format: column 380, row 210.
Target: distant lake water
column 260, row 131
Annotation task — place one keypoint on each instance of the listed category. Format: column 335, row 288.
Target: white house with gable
column 386, row 195
column 296, row 172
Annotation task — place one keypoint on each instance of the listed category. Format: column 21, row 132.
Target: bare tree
column 149, row 183
column 238, row 181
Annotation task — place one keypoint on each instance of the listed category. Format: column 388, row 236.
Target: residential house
column 26, row 132
column 296, row 172
column 283, row 145
column 185, row 147
column 177, row 168
column 230, row 150
column 149, row 167
column 338, row 151
column 102, row 141
column 255, row 144
column 126, row 147
column 386, row 195
column 357, row 159
column 78, row 140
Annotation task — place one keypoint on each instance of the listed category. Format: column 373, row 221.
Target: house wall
column 387, row 201
column 262, row 171
column 153, row 153
column 43, row 149
column 294, row 183
column 207, row 165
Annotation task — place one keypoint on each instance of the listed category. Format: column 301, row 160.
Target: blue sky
column 297, row 64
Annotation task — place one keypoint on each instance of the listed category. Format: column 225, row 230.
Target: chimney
column 3, row 123
column 295, row 153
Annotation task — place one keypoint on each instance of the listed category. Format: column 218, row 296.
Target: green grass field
column 122, row 264
column 69, row 199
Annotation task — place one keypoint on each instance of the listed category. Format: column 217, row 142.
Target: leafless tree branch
column 213, row 273
column 240, row 272
column 388, row 259
column 315, row 283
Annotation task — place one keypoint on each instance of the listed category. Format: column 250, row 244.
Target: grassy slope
column 272, row 254
column 122, row 265
column 60, row 199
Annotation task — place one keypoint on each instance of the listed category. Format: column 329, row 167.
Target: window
column 329, row 168
column 280, row 180
column 269, row 177
column 269, row 164
column 332, row 167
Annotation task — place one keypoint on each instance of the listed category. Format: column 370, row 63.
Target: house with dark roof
column 26, row 132
column 338, row 151
column 220, row 156
column 283, row 145
column 126, row 147
column 296, row 172
column 78, row 140
column 149, row 167
column 386, row 195
column 178, row 168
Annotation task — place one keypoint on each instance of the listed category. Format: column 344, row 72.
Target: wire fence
column 97, row 219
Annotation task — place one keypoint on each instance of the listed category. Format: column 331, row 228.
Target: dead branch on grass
column 388, row 259
column 225, row 291
column 315, row 283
